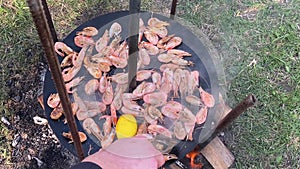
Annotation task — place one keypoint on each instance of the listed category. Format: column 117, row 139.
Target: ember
column 196, row 159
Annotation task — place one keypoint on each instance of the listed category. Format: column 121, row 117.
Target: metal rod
column 134, row 9
column 249, row 101
column 49, row 20
column 173, row 9
column 48, row 45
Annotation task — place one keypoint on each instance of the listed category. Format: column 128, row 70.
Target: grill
column 186, row 151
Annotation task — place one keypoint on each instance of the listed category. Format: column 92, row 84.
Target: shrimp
column 62, row 49
column 206, row 98
column 82, row 136
column 69, row 73
column 154, row 113
column 144, row 88
column 142, row 129
column 161, row 32
column 154, row 22
column 95, row 106
column 106, row 124
column 201, row 115
column 172, row 109
column 102, row 42
column 118, row 61
column 127, row 98
column 195, row 76
column 155, row 98
column 186, row 116
column 167, row 81
column 94, row 70
column 163, row 41
column 108, row 94
column 166, row 87
column 170, row 66
column 183, row 86
column 120, row 78
column 53, row 100
column 67, row 61
column 108, row 139
column 124, row 54
column 143, row 75
column 132, row 105
column 115, row 29
column 176, row 82
column 91, row 127
column 91, row 86
column 100, row 59
column 144, row 57
column 135, row 113
column 151, row 49
column 87, row 109
column 57, row 112
column 193, row 100
column 103, row 83
column 113, row 113
column 165, row 58
column 151, row 37
column 104, row 67
column 182, row 62
column 78, row 59
column 178, row 52
column 189, row 127
column 70, row 85
column 159, row 129
column 88, row 31
column 117, row 101
column 179, row 130
column 173, row 42
column 81, row 41
column 123, row 46
column 191, row 84
column 156, row 79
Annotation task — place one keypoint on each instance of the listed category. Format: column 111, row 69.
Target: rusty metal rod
column 173, row 9
column 249, row 101
column 43, row 30
column 49, row 20
column 134, row 9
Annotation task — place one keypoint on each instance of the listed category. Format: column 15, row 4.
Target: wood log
column 216, row 152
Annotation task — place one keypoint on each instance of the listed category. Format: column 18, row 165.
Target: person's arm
column 127, row 153
column 88, row 165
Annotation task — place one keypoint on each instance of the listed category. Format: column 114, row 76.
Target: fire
column 195, row 163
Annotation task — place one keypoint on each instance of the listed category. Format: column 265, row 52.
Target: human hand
column 128, row 153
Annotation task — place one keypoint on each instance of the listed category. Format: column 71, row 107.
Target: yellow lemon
column 126, row 126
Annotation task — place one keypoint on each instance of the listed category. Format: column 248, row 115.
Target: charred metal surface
column 49, row 20
column 43, row 30
column 134, row 9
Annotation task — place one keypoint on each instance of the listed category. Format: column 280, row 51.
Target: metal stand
column 47, row 41
column 48, row 36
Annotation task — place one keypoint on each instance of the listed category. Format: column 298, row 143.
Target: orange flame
column 192, row 155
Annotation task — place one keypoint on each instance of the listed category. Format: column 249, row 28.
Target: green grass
column 267, row 135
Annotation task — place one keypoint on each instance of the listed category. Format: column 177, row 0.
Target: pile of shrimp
column 167, row 89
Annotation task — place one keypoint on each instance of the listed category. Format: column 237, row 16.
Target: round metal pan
column 200, row 57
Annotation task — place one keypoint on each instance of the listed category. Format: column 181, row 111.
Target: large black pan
column 200, row 56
